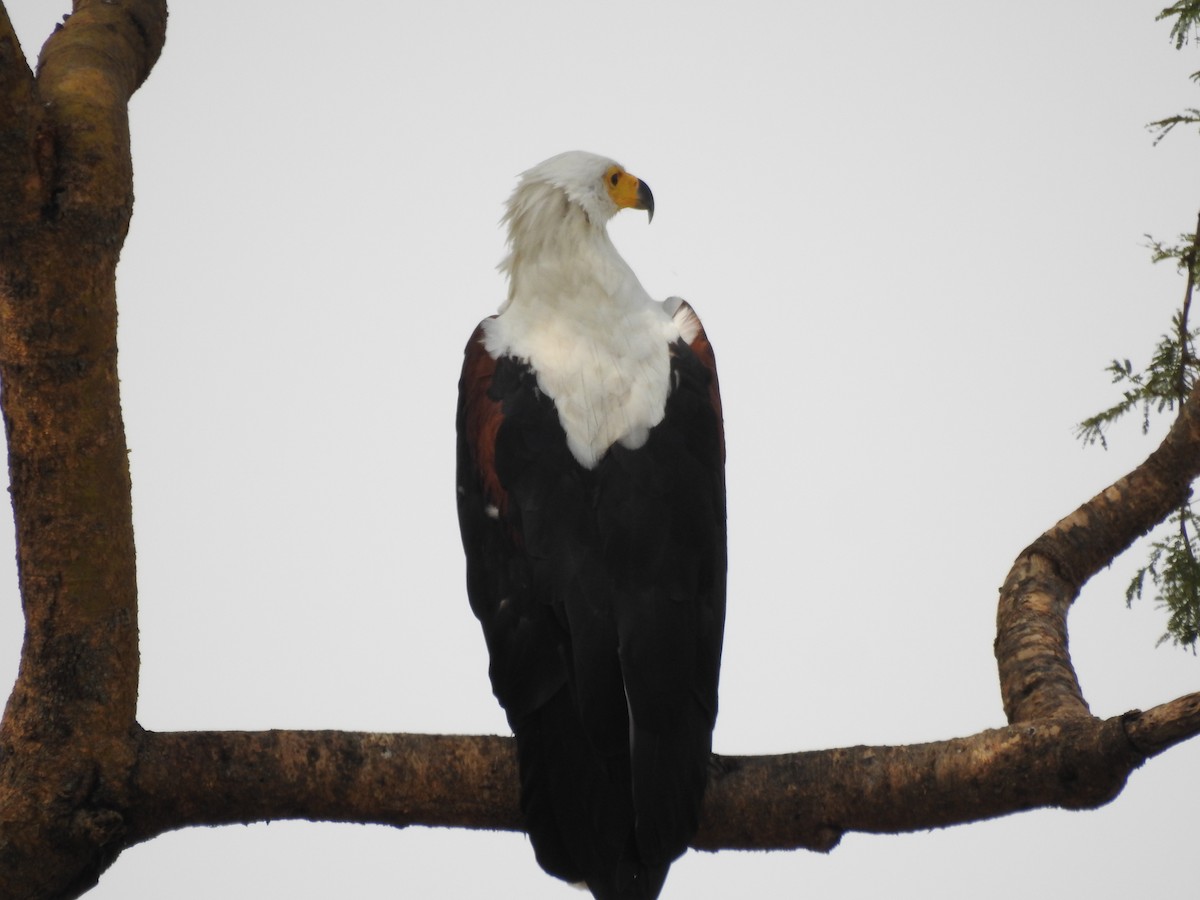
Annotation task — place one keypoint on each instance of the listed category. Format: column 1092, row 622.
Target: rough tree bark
column 80, row 780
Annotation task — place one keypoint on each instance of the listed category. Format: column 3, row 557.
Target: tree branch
column 797, row 800
column 1037, row 679
column 18, row 141
column 230, row 777
column 87, row 71
column 1164, row 726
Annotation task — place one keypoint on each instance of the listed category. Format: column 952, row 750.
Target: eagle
column 591, row 501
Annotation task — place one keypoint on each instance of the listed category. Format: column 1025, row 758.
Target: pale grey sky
column 914, row 232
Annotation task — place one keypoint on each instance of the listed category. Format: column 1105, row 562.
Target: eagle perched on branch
column 591, row 498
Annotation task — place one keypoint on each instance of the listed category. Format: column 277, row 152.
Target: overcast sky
column 915, row 233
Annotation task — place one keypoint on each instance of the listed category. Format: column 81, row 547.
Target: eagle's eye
column 614, row 178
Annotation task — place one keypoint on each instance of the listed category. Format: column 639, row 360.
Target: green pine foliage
column 1172, row 570
column 1187, row 21
column 1175, row 573
column 1162, row 386
column 1168, row 378
column 1184, row 29
column 1189, row 116
column 1148, row 391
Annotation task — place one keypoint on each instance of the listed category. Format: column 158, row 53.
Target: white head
column 597, row 185
column 562, row 206
column 557, row 220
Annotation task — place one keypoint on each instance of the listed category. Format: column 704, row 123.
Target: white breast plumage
column 605, row 366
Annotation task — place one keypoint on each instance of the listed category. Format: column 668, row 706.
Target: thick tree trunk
column 80, row 780
column 65, row 173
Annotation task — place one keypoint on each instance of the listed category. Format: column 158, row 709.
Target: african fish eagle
column 591, row 498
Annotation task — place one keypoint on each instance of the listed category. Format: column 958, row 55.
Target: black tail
column 578, row 806
column 630, row 880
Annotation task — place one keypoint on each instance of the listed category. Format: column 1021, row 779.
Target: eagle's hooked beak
column 645, row 200
column 629, row 192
